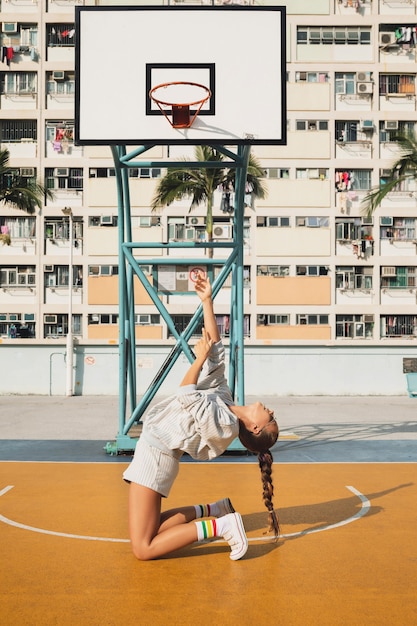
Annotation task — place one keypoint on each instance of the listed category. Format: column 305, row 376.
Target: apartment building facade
column 317, row 269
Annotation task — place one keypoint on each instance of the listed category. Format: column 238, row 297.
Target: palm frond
column 22, row 193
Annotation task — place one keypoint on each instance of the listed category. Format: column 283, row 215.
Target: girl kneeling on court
column 200, row 420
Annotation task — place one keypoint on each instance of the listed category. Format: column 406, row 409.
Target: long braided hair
column 260, row 444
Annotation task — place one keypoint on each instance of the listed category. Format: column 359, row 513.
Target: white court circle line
column 366, row 505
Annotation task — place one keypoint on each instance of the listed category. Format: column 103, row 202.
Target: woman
column 200, row 420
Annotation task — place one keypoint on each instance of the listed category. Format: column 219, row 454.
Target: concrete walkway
column 313, row 429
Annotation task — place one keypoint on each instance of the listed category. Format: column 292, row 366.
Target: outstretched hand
column 203, row 287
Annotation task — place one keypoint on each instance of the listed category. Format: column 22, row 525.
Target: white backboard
column 237, row 52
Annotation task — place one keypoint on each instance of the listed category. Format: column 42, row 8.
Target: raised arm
column 204, row 292
column 210, row 331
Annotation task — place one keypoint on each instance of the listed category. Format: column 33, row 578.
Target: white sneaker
column 235, row 536
column 224, row 507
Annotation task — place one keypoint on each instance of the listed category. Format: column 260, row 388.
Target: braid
column 265, row 465
column 260, row 444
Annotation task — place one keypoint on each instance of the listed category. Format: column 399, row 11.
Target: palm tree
column 200, row 184
column 403, row 169
column 18, row 192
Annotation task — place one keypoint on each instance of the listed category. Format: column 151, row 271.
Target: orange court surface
column 347, row 554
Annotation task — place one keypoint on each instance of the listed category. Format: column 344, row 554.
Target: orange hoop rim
column 201, row 101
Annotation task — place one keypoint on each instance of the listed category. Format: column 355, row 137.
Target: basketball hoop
column 182, row 95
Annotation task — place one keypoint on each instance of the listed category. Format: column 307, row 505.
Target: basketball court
column 347, row 554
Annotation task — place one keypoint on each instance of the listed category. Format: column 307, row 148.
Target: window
column 273, row 270
column 54, row 326
column 58, row 228
column 20, row 177
column 351, row 278
column 311, row 77
column 61, row 136
column 274, row 222
column 312, row 222
column 398, row 326
column 17, row 325
column 18, row 227
column 104, row 318
column 18, row 83
column 398, row 277
column 276, row 172
column 64, row 87
column 348, row 35
column 349, row 180
column 311, row 125
column 18, row 276
column 352, row 229
column 64, row 178
column 390, row 129
column 346, row 130
column 102, row 220
column 228, row 282
column 311, row 320
column 60, row 35
column 272, row 320
column 58, row 275
column 399, row 229
column 145, row 221
column 147, row 319
column 345, row 83
column 354, row 326
column 311, row 270
column 181, row 322
column 311, row 173
column 179, row 229
column 145, row 172
column 101, row 172
column 396, row 84
column 16, row 131
column 103, row 270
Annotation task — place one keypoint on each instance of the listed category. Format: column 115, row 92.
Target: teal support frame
column 129, row 267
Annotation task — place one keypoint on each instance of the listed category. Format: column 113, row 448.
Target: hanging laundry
column 9, row 55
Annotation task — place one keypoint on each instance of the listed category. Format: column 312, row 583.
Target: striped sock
column 202, row 510
column 206, row 529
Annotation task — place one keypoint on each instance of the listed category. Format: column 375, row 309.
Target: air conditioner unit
column 368, row 318
column 48, row 268
column 363, row 77
column 391, row 124
column 50, row 319
column 222, row 231
column 386, row 39
column 367, row 125
column 386, row 173
column 364, row 88
column 388, row 271
column 9, row 27
column 144, row 319
column 58, row 75
column 27, row 172
column 367, row 220
column 106, row 219
column 197, row 221
column 386, row 221
column 62, row 171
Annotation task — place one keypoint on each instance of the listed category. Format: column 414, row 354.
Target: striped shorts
column 153, row 468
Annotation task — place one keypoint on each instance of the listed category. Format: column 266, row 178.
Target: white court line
column 366, row 505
